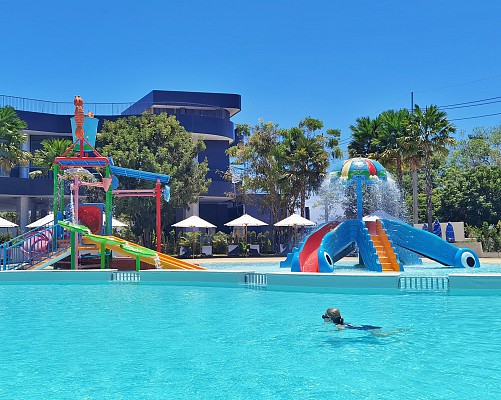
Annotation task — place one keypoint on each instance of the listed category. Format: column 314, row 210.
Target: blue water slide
column 429, row 245
column 134, row 173
column 336, row 242
column 287, row 263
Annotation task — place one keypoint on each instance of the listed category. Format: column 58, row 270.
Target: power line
column 459, row 84
column 472, row 103
column 477, row 116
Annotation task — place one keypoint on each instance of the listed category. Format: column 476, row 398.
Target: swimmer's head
column 333, row 315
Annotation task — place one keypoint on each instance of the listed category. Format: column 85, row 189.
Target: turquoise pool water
column 138, row 341
column 427, row 269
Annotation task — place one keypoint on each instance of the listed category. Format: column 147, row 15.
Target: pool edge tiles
column 338, row 281
column 480, row 282
column 200, row 277
column 50, row 276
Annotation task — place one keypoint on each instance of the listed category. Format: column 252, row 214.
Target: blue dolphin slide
column 384, row 245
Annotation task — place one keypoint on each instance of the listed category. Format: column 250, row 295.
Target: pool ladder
column 424, row 283
column 256, row 280
column 126, row 276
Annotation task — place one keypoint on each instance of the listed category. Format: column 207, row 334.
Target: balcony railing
column 60, row 108
column 131, row 108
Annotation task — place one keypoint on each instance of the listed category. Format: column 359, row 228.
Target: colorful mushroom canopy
column 362, row 168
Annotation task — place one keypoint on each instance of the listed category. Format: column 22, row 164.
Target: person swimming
column 333, row 315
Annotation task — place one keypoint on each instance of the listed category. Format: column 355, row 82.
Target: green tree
column 333, row 138
column 481, row 147
column 258, row 152
column 364, row 135
column 390, row 137
column 44, row 157
column 432, row 132
column 11, row 139
column 470, row 195
column 159, row 144
column 305, row 159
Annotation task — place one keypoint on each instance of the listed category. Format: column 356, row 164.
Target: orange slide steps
column 385, row 252
column 167, row 262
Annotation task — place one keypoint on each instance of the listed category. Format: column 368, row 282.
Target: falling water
column 327, row 204
column 387, row 197
column 157, row 262
column 337, row 201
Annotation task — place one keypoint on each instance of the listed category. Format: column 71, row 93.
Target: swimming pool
column 140, row 341
column 428, row 268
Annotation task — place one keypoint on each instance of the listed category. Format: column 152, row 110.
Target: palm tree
column 390, row 137
column 51, row 148
column 432, row 133
column 305, row 158
column 11, row 139
column 365, row 132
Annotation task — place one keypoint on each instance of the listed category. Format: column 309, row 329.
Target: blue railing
column 33, row 247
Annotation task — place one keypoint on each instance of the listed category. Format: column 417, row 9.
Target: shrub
column 487, row 234
column 220, row 243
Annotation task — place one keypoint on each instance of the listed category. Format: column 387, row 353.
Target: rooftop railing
column 60, row 108
column 68, row 108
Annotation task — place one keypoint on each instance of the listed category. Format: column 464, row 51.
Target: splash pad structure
column 383, row 244
column 82, row 165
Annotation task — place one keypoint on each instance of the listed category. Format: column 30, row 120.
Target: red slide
column 308, row 257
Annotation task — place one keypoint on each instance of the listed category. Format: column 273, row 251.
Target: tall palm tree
column 11, row 139
column 432, row 132
column 305, row 161
column 365, row 132
column 390, row 136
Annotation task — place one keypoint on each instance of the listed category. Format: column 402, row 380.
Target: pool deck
column 338, row 282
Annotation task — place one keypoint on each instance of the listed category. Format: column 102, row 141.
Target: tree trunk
column 398, row 167
column 415, row 212
column 429, row 206
column 303, row 201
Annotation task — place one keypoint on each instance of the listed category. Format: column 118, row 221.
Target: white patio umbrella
column 115, row 223
column 7, row 224
column 193, row 222
column 245, row 221
column 295, row 220
column 49, row 218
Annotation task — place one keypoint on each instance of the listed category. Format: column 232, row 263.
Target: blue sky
column 330, row 59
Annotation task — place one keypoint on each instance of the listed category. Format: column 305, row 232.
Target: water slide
column 385, row 250
column 381, row 243
column 335, row 243
column 429, row 245
column 114, row 244
column 308, row 256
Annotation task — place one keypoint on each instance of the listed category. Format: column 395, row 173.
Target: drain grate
column 126, row 276
column 431, row 283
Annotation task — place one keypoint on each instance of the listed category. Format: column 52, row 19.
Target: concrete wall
column 363, row 283
column 48, row 276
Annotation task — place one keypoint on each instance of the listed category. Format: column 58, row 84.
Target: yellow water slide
column 114, row 244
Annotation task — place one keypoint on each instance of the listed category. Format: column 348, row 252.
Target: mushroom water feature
column 384, row 243
column 359, row 171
